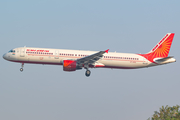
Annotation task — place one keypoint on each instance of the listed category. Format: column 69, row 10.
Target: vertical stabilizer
column 161, row 50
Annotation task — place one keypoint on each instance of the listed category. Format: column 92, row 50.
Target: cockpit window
column 12, row 51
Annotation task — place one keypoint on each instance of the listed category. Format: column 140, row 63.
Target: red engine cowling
column 69, row 65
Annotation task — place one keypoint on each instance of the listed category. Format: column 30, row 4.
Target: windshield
column 12, row 51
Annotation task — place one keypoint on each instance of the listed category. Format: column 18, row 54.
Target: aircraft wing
column 92, row 58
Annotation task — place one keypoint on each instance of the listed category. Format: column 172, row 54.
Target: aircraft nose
column 5, row 56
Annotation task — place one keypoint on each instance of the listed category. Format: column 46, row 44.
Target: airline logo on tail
column 161, row 50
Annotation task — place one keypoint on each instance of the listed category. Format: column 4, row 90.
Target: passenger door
column 22, row 52
column 145, row 61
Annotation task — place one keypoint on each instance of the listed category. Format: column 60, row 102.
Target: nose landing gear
column 22, row 65
column 88, row 72
column 21, row 69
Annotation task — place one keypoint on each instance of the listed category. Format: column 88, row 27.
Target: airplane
column 73, row 60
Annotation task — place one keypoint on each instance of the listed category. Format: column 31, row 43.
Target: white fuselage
column 73, row 60
column 56, row 57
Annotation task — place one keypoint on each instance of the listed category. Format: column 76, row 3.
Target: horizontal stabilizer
column 164, row 60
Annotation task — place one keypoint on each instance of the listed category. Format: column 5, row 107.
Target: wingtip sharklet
column 107, row 50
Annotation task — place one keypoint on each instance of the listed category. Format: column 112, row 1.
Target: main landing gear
column 88, row 72
column 22, row 65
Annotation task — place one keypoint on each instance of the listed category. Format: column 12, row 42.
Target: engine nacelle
column 69, row 65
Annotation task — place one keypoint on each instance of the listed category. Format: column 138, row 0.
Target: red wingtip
column 107, row 50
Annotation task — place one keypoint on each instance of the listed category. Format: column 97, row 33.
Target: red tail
column 161, row 50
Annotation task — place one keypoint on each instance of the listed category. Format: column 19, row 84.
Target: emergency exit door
column 56, row 54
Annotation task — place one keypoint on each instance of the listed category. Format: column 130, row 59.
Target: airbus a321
column 73, row 60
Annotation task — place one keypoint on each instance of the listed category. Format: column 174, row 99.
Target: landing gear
column 88, row 72
column 21, row 69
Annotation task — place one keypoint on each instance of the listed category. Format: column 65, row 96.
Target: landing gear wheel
column 88, row 72
column 21, row 69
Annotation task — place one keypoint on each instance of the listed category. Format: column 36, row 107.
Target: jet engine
column 69, row 65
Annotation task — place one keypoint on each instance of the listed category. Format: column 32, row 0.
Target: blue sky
column 46, row 92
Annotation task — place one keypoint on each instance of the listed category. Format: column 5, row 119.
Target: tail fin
column 161, row 50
